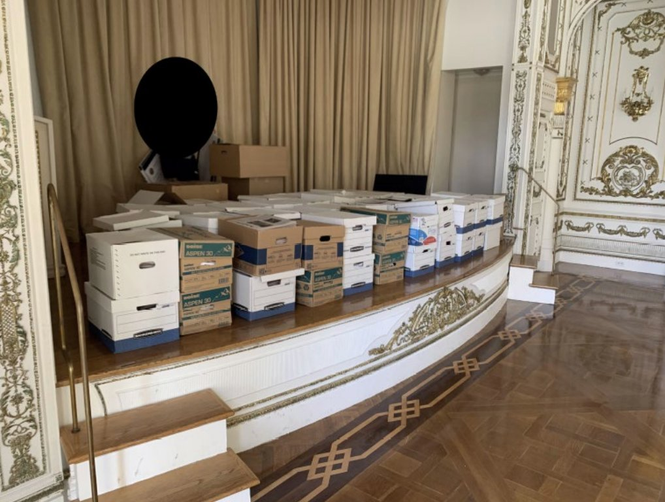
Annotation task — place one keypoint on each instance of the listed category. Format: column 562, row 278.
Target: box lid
column 198, row 243
column 129, row 237
column 316, row 230
column 287, row 214
column 229, row 205
column 274, row 277
column 130, row 304
column 130, row 219
column 261, row 232
column 343, row 218
column 383, row 217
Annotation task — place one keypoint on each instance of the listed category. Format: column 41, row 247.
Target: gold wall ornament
column 622, row 230
column 443, row 309
column 524, row 39
column 638, row 103
column 564, row 93
column 647, row 28
column 574, row 228
column 629, row 172
column 660, row 235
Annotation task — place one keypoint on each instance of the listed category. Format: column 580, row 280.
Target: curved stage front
column 284, row 373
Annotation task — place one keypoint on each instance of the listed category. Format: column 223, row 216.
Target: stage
column 283, row 373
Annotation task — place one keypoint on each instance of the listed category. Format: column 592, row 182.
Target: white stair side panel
column 140, row 462
column 519, row 282
column 242, row 496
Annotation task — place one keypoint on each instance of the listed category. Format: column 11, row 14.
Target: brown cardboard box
column 264, row 244
column 189, row 189
column 205, row 310
column 253, row 186
column 391, row 246
column 389, row 261
column 389, row 276
column 384, row 233
column 249, row 161
column 322, row 245
column 389, row 267
column 318, row 287
column 205, row 258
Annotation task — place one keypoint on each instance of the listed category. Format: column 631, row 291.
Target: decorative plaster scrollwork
column 660, row 235
column 647, row 28
column 443, row 309
column 622, row 230
column 574, row 228
column 629, row 172
column 19, row 422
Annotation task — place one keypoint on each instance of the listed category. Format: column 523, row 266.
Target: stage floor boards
column 241, row 334
column 534, row 408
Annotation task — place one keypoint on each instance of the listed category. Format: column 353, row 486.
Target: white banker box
column 358, row 230
column 266, row 292
column 134, row 317
column 419, row 258
column 358, row 271
column 493, row 235
column 133, row 263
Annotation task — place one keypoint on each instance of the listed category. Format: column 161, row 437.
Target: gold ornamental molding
column 638, row 103
column 645, row 34
column 622, row 230
column 629, row 172
column 583, row 228
column 660, row 235
column 446, row 307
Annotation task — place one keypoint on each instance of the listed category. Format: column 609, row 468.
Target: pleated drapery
column 350, row 86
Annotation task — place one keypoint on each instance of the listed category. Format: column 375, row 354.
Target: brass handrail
column 514, row 168
column 58, row 230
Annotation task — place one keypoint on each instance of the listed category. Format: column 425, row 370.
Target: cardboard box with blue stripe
column 206, row 277
column 264, row 245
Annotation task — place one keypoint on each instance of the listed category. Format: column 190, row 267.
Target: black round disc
column 175, row 107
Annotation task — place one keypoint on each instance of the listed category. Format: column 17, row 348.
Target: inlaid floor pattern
column 569, row 408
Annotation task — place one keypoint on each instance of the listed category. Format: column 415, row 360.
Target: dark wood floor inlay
column 379, row 452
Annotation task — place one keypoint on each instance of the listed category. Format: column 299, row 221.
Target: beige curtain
column 350, row 86
column 90, row 57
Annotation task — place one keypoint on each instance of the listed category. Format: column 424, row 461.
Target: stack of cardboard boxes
column 206, row 277
column 421, row 253
column 464, row 211
column 480, row 221
column 250, row 169
column 390, row 242
column 495, row 208
column 323, row 261
column 266, row 262
column 133, row 292
column 358, row 263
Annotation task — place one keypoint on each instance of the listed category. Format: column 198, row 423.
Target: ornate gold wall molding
column 20, row 420
column 622, row 230
column 660, row 235
column 629, row 172
column 519, row 99
column 524, row 40
column 573, row 228
column 647, row 28
column 443, row 309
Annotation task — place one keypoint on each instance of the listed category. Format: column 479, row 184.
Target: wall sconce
column 564, row 93
column 639, row 102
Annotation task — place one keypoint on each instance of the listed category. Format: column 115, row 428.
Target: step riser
column 519, row 288
column 243, row 496
column 137, row 463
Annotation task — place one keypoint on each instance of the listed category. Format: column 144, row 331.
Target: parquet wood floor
column 569, row 408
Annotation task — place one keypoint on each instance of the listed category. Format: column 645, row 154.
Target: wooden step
column 545, row 280
column 140, row 425
column 524, row 261
column 205, row 481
